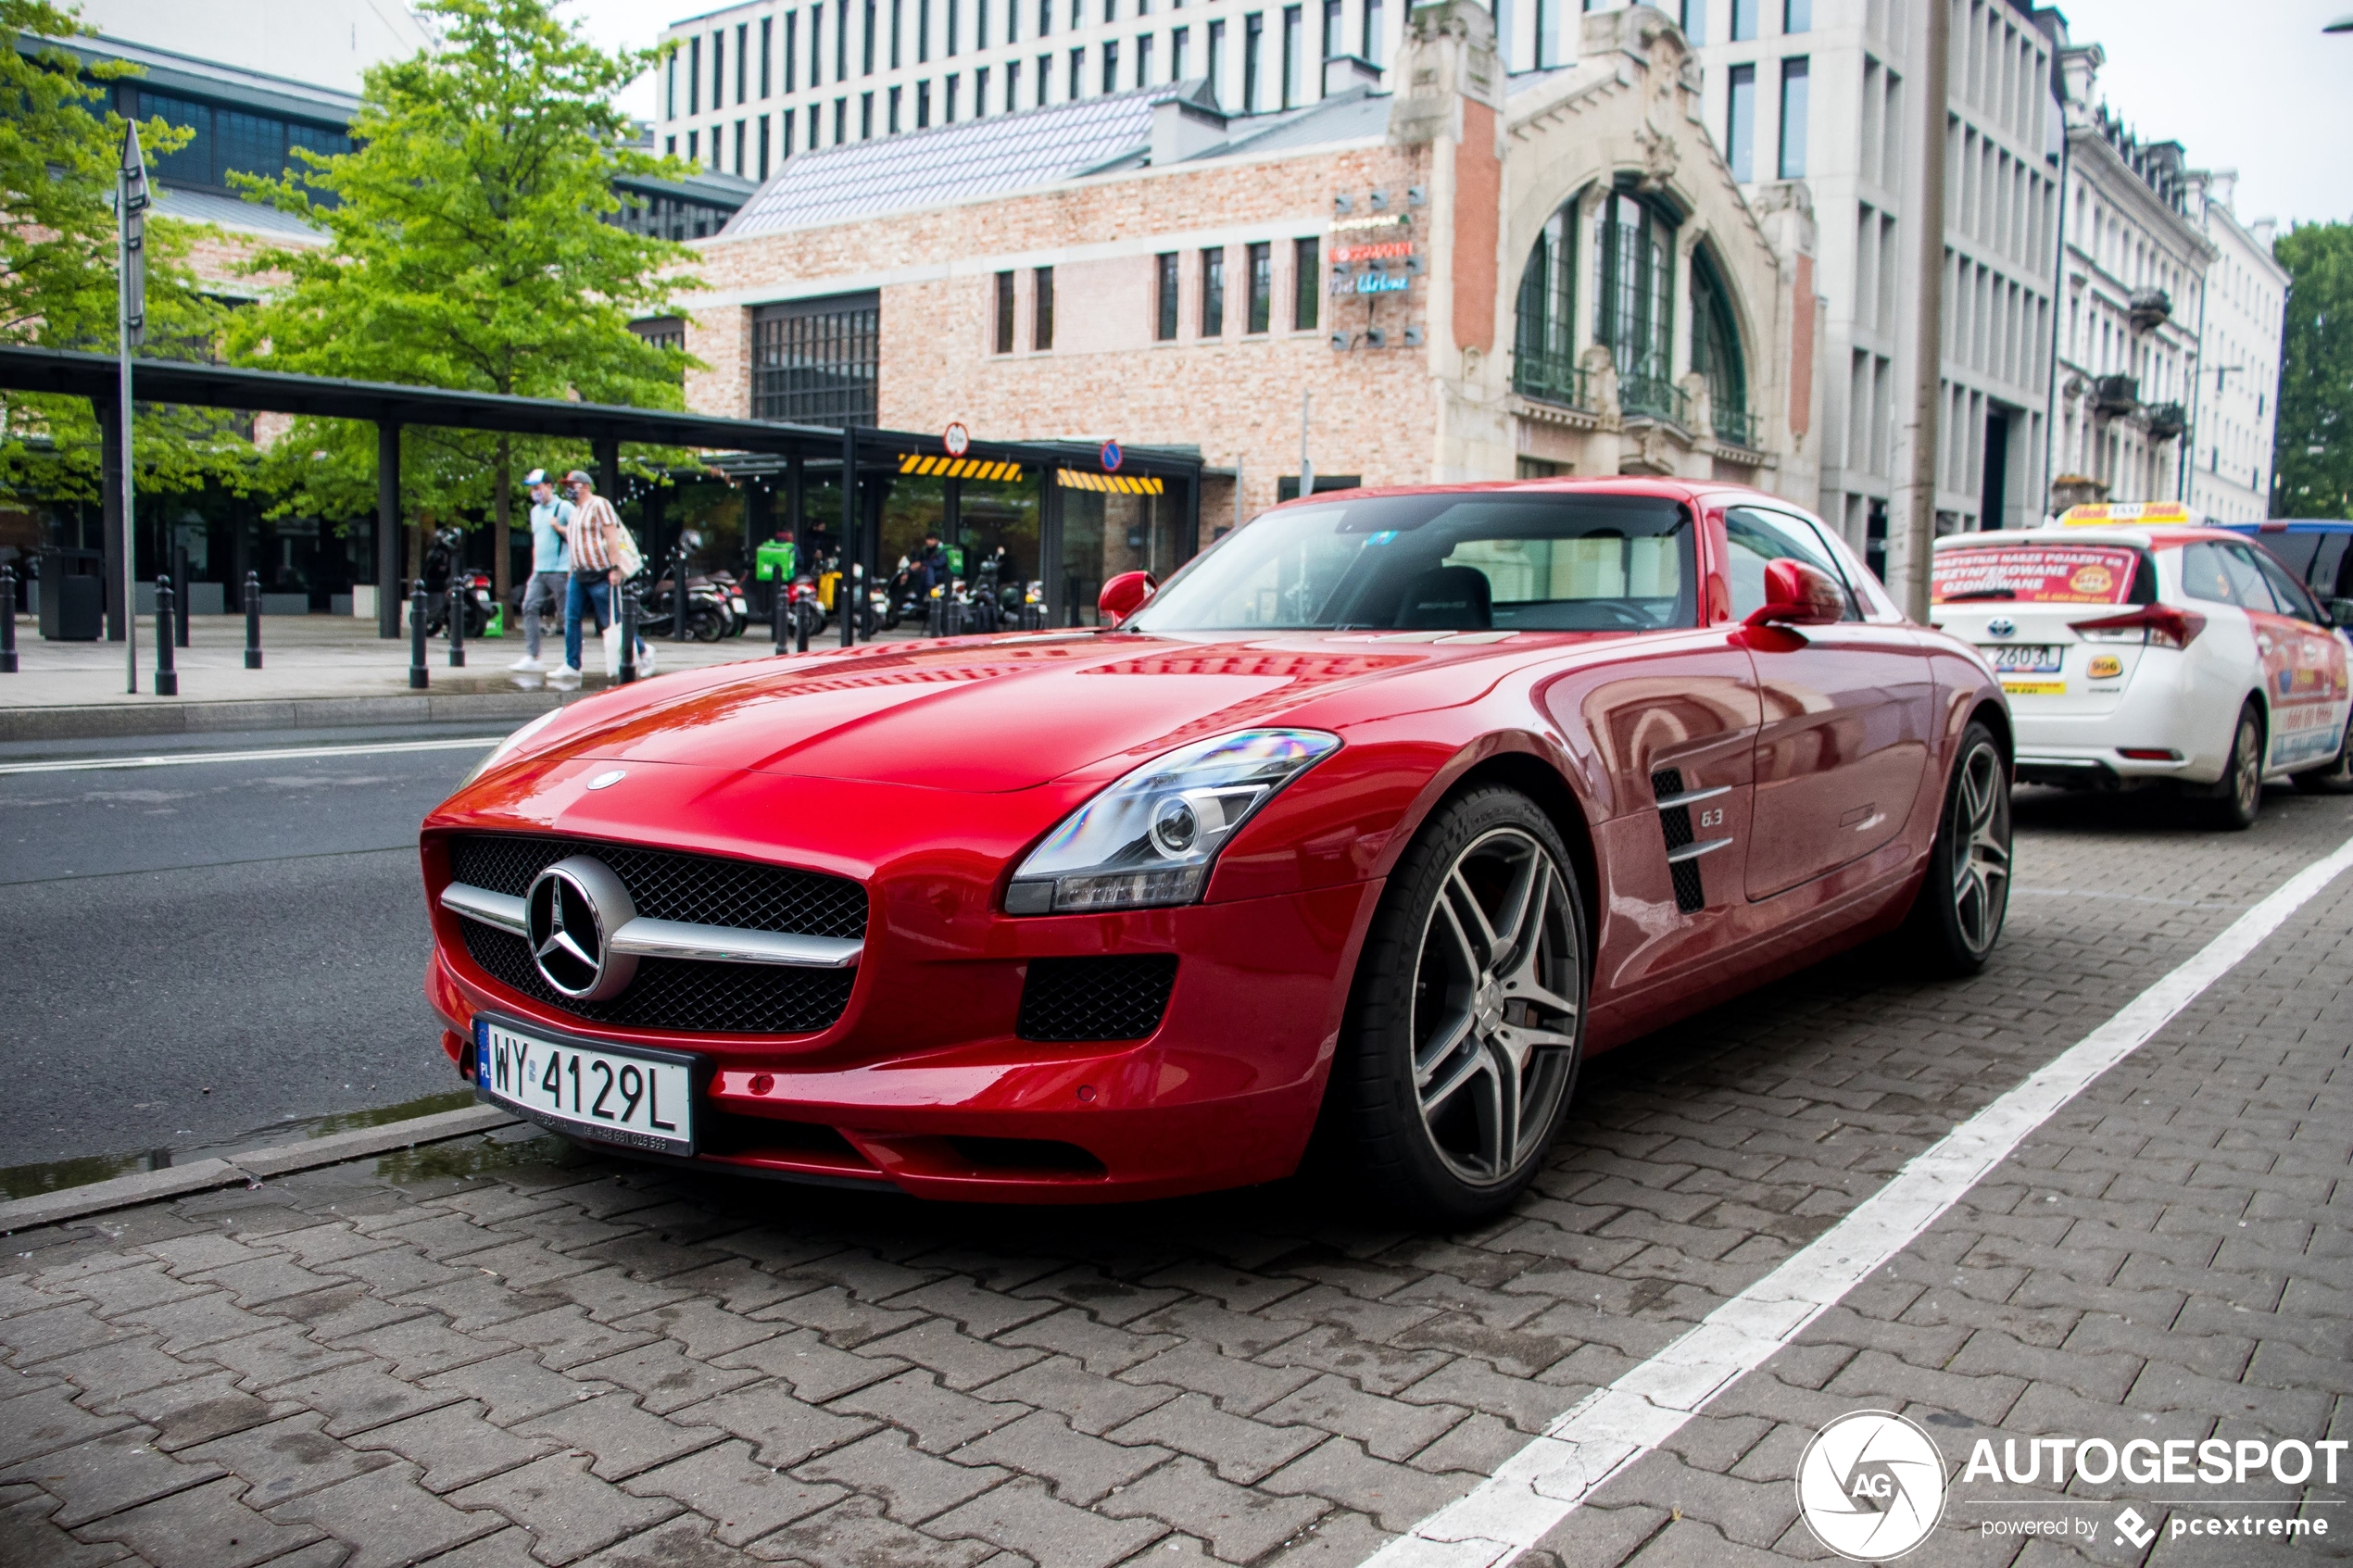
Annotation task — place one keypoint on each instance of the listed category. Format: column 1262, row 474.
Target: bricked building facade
column 1472, row 277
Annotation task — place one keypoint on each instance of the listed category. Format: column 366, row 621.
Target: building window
column 1793, row 93
column 817, row 51
column 1551, row 20
column 743, row 60
column 1262, row 288
column 1307, row 284
column 1740, row 122
column 1045, row 77
column 1077, row 76
column 693, row 75
column 1333, row 43
column 786, row 152
column 893, row 112
column 1694, row 18
column 1164, row 296
column 952, row 19
column 669, row 146
column 792, row 26
column 1004, row 312
column 866, row 114
column 739, row 146
column 1295, row 48
column 1543, row 341
column 1213, row 293
column 718, row 68
column 670, row 85
column 1744, row 20
column 1633, row 300
column 694, row 147
column 234, row 142
column 1716, row 352
column 922, row 31
column 1045, row 18
column 948, row 102
column 866, row 44
column 1376, row 41
column 1216, row 61
column 1178, row 41
column 1041, row 335
column 763, row 146
column 815, row 361
column 922, row 106
column 897, row 14
column 1013, row 86
column 662, row 332
column 767, row 53
column 980, row 90
column 1253, row 50
column 1111, row 67
column 1144, row 60
column 841, row 38
column 1797, row 16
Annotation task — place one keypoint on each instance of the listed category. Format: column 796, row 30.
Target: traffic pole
column 167, row 676
column 253, row 621
column 419, row 676
column 628, row 632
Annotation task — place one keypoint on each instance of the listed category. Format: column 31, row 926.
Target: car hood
column 1006, row 714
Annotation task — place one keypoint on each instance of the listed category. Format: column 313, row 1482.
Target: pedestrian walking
column 545, row 595
column 603, row 557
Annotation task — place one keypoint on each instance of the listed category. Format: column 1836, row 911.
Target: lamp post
column 130, row 324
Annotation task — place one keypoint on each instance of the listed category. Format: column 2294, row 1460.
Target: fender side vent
column 1675, row 822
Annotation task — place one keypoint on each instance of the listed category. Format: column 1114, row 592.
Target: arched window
column 1543, row 346
column 1634, row 302
column 1716, row 352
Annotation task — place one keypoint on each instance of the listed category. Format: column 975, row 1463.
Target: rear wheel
column 1466, row 1025
column 2237, row 798
column 2334, row 779
column 1958, row 915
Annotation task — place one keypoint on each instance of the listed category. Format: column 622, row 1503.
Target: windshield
column 1519, row 561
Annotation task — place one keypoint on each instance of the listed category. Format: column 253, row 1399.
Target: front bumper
column 926, row 1084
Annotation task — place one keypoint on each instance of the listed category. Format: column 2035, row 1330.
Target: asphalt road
column 206, row 950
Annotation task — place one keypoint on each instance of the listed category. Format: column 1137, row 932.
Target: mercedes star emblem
column 573, row 908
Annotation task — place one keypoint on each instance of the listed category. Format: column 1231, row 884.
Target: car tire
column 1956, row 916
column 2237, row 797
column 2334, row 779
column 1465, row 1024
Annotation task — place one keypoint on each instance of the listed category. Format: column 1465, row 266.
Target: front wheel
column 2337, row 778
column 2238, row 797
column 1465, row 1027
column 1956, row 916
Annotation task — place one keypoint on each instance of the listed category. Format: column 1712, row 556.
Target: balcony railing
column 2151, row 307
column 1552, row 378
column 2116, row 395
column 2167, row 420
column 1736, row 427
column 1653, row 398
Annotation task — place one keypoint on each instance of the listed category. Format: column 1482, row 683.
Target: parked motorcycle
column 726, row 585
column 709, row 613
column 474, row 587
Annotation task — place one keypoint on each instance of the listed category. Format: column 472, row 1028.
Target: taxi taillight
column 2163, row 626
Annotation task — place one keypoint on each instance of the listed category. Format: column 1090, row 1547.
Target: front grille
column 1118, row 999
column 664, row 884
column 686, row 995
column 1675, row 822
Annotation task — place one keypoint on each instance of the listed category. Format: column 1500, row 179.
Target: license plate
column 610, row 1094
column 2025, row 658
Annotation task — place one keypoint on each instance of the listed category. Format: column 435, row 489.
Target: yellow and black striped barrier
column 1116, row 483
column 957, row 468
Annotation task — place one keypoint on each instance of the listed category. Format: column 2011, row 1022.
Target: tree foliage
column 60, row 150
column 467, row 248
column 2313, row 463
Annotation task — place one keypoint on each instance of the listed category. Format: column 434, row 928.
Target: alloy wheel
column 1494, row 1021
column 1981, row 848
column 2247, row 760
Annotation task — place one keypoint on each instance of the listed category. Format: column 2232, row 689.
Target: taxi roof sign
column 2137, row 514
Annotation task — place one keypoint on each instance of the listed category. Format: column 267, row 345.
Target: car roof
column 1692, row 491
column 2293, row 525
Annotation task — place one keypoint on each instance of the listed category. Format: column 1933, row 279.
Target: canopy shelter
column 864, row 452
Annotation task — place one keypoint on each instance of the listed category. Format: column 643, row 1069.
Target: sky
column 2247, row 85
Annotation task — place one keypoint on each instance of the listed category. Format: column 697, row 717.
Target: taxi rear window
column 2094, row 574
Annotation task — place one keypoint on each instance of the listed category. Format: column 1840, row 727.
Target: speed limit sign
column 957, row 439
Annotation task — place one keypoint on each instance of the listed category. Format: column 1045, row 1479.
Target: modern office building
column 1479, row 276
column 2235, row 409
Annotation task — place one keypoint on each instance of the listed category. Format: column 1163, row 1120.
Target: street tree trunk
column 503, row 568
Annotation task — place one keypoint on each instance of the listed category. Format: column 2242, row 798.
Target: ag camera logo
column 1870, row 1486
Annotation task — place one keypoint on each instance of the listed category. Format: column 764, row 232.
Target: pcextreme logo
column 1870, row 1486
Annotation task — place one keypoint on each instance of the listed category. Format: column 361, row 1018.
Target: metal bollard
column 783, row 616
column 800, row 620
column 166, row 678
column 8, row 620
column 678, row 594
column 419, row 676
column 458, row 590
column 180, row 580
column 628, row 632
column 253, row 621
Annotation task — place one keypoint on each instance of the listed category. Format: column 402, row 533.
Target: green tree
column 466, row 247
column 2313, row 460
column 60, row 150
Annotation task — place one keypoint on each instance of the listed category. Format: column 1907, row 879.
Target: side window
column 2206, row 575
column 2293, row 599
column 2328, row 578
column 1758, row 536
column 2248, row 587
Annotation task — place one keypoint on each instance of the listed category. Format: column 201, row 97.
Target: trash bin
column 73, row 596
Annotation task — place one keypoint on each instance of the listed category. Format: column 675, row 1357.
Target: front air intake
column 1106, row 999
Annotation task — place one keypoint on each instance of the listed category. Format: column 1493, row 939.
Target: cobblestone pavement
column 507, row 1352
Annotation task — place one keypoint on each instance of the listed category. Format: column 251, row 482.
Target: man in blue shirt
column 550, row 562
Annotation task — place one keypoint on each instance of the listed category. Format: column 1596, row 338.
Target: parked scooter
column 441, row 562
column 709, row 614
column 731, row 590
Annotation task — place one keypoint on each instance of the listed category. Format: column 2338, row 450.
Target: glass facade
column 230, row 141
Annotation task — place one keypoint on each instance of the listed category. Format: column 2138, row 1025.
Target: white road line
column 281, row 754
column 1609, row 1429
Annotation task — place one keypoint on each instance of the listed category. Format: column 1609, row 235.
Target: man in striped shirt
column 596, row 530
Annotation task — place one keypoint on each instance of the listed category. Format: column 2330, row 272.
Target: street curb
column 251, row 1167
column 100, row 721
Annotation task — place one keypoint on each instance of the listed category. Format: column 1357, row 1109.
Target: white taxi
column 2139, row 647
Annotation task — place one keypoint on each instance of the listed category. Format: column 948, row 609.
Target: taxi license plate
column 610, row 1094
column 2025, row 658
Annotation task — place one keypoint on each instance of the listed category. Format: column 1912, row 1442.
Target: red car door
column 1849, row 715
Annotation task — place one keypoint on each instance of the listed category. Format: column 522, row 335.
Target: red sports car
column 1369, row 826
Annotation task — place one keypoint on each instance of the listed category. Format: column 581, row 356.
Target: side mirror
column 1125, row 595
column 1798, row 595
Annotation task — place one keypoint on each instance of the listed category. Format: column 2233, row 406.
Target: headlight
column 1151, row 838
column 509, row 746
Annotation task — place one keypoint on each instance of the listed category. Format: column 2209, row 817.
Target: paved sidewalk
column 505, row 1352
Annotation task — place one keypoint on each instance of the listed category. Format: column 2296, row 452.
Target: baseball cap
column 537, row 476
